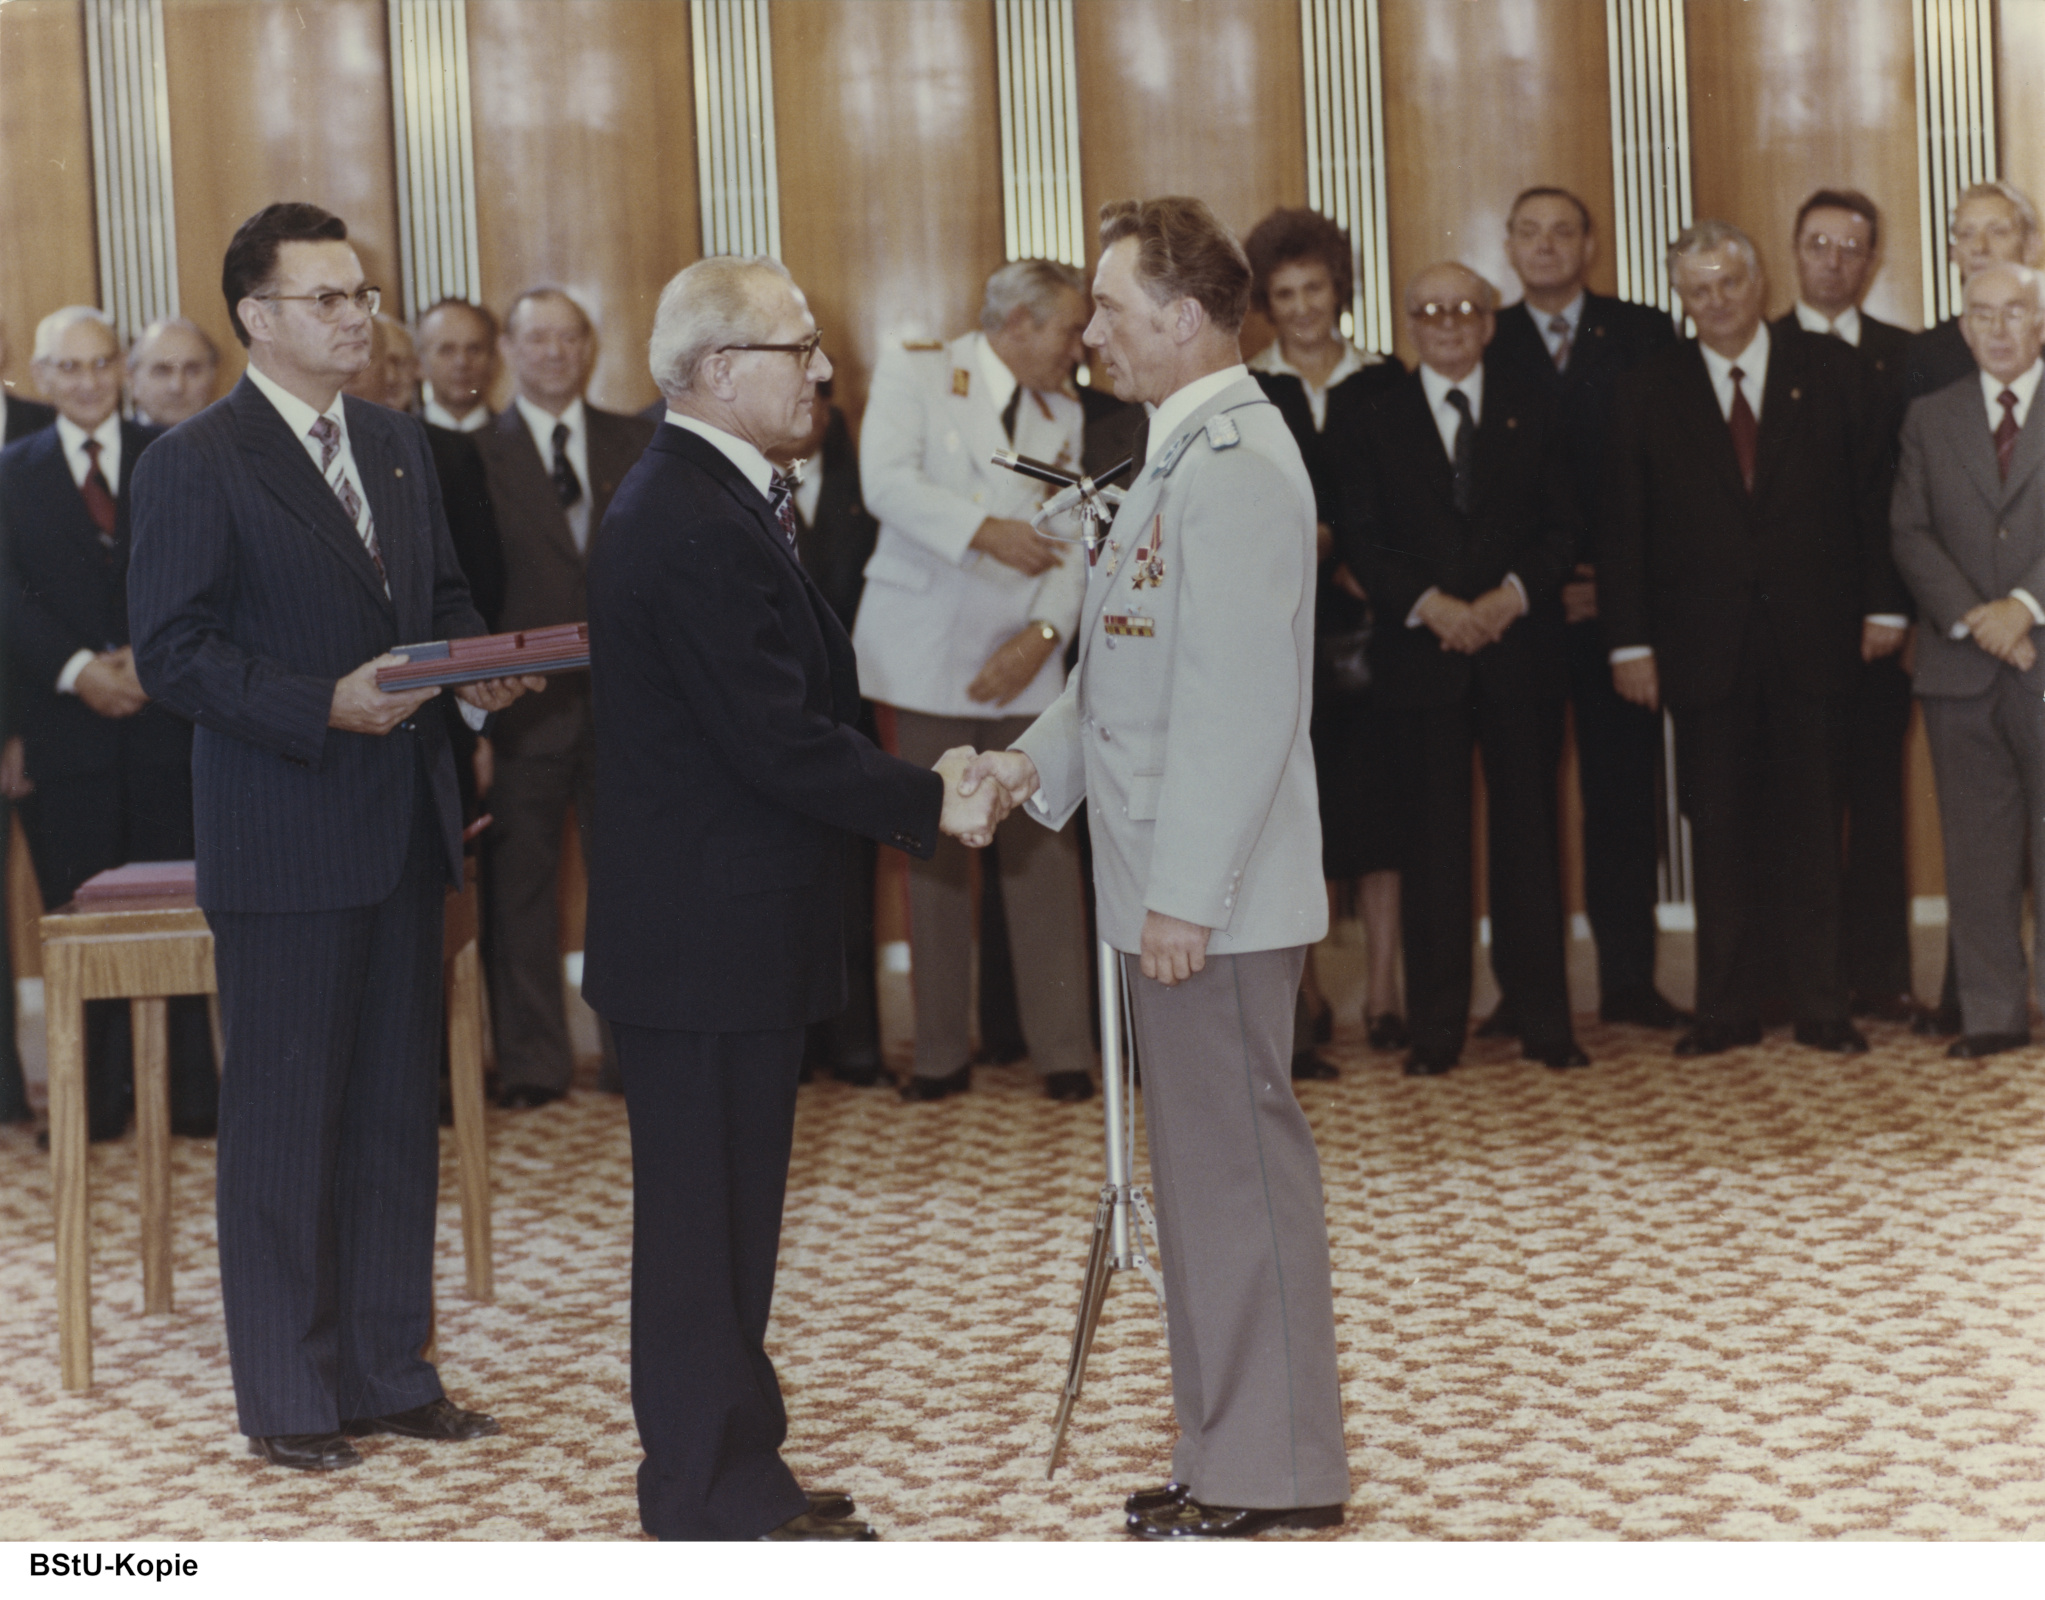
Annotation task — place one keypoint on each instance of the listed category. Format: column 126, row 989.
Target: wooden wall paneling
column 1482, row 101
column 584, row 121
column 1787, row 96
column 887, row 125
column 2019, row 70
column 277, row 102
column 46, row 216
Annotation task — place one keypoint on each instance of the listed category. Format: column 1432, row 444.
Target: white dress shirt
column 757, row 469
column 810, row 490
column 540, row 423
column 1572, row 314
column 74, row 439
column 478, row 416
column 2025, row 388
column 1180, row 404
column 1447, row 419
column 1272, row 359
column 1846, row 325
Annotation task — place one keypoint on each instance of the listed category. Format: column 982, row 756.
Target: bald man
column 1459, row 522
column 173, row 371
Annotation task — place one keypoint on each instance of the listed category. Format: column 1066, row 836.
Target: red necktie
column 99, row 499
column 1746, row 432
column 2006, row 432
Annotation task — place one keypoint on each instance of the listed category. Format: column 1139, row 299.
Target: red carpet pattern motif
column 1773, row 1295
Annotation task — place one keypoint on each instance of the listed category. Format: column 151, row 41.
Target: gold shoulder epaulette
column 922, row 344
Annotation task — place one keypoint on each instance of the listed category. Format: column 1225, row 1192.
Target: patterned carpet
column 1772, row 1296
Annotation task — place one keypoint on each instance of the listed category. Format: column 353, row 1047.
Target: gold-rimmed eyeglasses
column 806, row 352
column 328, row 302
column 1448, row 313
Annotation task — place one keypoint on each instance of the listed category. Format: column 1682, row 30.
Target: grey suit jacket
column 1961, row 535
column 1184, row 728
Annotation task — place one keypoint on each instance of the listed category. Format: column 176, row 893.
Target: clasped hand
column 1467, row 626
column 980, row 789
column 2003, row 629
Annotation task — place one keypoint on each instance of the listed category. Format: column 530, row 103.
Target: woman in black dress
column 1303, row 271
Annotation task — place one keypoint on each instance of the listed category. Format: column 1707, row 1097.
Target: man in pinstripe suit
column 285, row 540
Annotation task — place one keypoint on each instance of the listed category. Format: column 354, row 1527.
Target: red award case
column 492, row 655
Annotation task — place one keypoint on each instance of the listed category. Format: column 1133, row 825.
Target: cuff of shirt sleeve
column 67, row 680
column 1519, row 589
column 1631, row 652
column 1413, row 616
column 474, row 716
column 2030, row 605
column 1887, row 619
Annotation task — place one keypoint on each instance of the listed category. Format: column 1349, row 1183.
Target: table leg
column 471, row 1138
column 152, row 1146
column 64, row 1015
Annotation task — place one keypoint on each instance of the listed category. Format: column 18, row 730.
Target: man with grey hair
column 173, row 369
column 1746, row 580
column 1992, row 221
column 19, row 415
column 731, row 777
column 962, row 630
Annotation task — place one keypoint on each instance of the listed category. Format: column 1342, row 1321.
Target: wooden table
column 143, row 951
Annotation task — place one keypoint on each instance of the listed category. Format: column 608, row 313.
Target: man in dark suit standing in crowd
column 553, row 461
column 1745, row 579
column 1464, row 528
column 286, row 540
column 1577, row 344
column 1838, row 242
column 730, row 775
column 1969, row 527
column 20, row 416
column 1992, row 221
column 458, row 362
column 172, row 371
column 112, row 771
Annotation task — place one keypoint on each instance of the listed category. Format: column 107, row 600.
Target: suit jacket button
column 1104, row 736
column 2002, row 533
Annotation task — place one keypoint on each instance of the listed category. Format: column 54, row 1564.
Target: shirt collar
column 1571, row 314
column 298, row 416
column 541, row 421
column 757, row 469
column 1752, row 362
column 1272, row 359
column 2025, row 385
column 1001, row 383
column 108, row 433
column 1167, row 416
column 1846, row 324
column 1437, row 387
column 478, row 415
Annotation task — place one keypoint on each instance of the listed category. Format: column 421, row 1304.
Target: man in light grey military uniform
column 1184, row 732
column 962, row 629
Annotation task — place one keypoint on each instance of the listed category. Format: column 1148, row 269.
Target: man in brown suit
column 552, row 461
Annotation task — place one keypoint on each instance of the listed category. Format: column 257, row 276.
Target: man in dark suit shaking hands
column 285, row 540
column 731, row 778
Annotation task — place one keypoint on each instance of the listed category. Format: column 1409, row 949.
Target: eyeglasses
column 806, row 352
column 71, row 366
column 1447, row 313
column 1998, row 319
column 327, row 303
column 1819, row 244
column 1993, row 232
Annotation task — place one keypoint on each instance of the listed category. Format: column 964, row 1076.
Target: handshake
column 980, row 789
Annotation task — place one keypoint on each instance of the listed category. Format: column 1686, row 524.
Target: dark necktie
column 1009, row 413
column 2006, row 431
column 1559, row 326
column 1746, row 432
column 781, row 501
column 328, row 432
column 567, row 487
column 1463, row 458
column 99, row 499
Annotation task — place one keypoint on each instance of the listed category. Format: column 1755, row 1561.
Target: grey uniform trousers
column 1249, row 1295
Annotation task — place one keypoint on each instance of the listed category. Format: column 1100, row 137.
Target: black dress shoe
column 1840, row 1038
column 1422, row 1062
column 1068, row 1088
column 809, row 1527
column 1501, row 1024
column 308, row 1452
column 1189, row 1519
column 1308, row 1067
column 1386, row 1031
column 1145, row 1501
column 527, row 1096
column 1557, row 1053
column 830, row 1505
column 1712, row 1038
column 1973, row 1046
column 1644, row 1008
column 1883, row 1007
column 1938, row 1022
column 951, row 1083
column 440, row 1420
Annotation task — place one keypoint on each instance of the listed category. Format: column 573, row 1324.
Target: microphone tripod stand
column 1122, row 1215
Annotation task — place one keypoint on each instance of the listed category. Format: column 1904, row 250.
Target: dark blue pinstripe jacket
column 249, row 597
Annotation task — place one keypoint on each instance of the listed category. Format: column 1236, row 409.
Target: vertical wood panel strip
column 1037, row 73
column 1342, row 89
column 434, row 153
column 737, row 162
column 1954, row 42
column 127, row 103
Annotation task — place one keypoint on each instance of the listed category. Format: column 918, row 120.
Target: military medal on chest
column 1150, row 557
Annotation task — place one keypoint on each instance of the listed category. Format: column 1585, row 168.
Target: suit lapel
column 1782, row 403
column 539, row 476
column 1417, row 435
column 1699, row 403
column 2029, row 453
column 380, row 479
column 982, row 417
column 285, row 468
column 1965, row 424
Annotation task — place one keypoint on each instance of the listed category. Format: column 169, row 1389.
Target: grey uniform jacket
column 1184, row 728
column 1961, row 535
